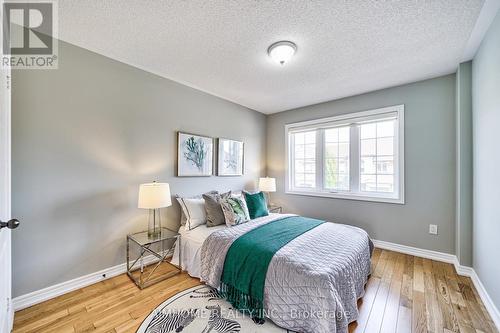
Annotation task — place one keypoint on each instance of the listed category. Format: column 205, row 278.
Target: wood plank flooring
column 404, row 294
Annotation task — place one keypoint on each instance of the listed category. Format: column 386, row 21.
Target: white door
column 6, row 311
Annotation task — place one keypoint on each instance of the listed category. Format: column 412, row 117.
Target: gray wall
column 464, row 163
column 430, row 166
column 486, row 133
column 84, row 137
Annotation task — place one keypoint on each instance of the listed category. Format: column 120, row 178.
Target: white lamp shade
column 267, row 184
column 154, row 195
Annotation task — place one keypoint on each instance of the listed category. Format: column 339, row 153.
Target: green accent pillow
column 257, row 205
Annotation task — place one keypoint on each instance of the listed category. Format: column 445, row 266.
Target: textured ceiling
column 219, row 46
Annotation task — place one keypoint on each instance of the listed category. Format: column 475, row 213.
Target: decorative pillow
column 183, row 209
column 193, row 209
column 239, row 195
column 213, row 209
column 235, row 211
column 257, row 205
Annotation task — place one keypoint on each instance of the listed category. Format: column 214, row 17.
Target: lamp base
column 154, row 227
column 267, row 196
column 154, row 233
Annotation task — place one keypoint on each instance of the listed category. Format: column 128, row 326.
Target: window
column 305, row 159
column 377, row 156
column 336, row 161
column 356, row 156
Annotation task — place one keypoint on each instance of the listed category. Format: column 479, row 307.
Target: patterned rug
column 201, row 309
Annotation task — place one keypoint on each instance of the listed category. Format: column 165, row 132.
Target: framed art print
column 230, row 158
column 194, row 155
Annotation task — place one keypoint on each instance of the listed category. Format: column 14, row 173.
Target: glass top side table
column 275, row 209
column 153, row 251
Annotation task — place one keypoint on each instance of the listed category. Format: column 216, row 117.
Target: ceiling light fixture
column 282, row 51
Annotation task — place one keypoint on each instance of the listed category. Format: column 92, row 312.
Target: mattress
column 190, row 248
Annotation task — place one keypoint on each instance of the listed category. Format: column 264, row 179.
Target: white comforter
column 312, row 283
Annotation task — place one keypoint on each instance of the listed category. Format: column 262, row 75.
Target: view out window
column 305, row 159
column 356, row 156
column 377, row 156
column 336, row 162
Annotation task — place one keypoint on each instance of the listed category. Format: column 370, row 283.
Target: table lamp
column 267, row 185
column 154, row 196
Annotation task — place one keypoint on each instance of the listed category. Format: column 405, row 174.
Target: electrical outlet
column 433, row 229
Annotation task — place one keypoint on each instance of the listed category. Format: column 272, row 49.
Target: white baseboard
column 38, row 296
column 423, row 253
column 485, row 297
column 42, row 295
column 463, row 270
column 451, row 259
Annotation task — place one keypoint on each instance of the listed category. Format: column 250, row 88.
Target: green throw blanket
column 248, row 258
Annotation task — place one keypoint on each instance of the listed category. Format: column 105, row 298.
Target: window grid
column 336, row 165
column 378, row 180
column 304, row 161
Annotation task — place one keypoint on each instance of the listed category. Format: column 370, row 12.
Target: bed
column 312, row 283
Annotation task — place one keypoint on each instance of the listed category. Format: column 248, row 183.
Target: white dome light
column 282, row 52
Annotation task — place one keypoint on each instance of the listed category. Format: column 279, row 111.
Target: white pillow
column 194, row 210
column 183, row 213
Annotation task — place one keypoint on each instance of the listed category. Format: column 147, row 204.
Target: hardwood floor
column 404, row 294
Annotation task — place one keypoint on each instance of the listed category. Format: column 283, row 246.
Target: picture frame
column 194, row 155
column 230, row 157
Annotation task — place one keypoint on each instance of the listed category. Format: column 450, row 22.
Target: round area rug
column 201, row 309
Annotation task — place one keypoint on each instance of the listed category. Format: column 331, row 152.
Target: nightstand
column 153, row 252
column 275, row 209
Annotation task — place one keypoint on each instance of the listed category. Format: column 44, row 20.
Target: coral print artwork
column 195, row 154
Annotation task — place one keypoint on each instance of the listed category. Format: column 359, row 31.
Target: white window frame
column 353, row 119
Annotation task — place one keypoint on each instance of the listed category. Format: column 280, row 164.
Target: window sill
column 346, row 196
